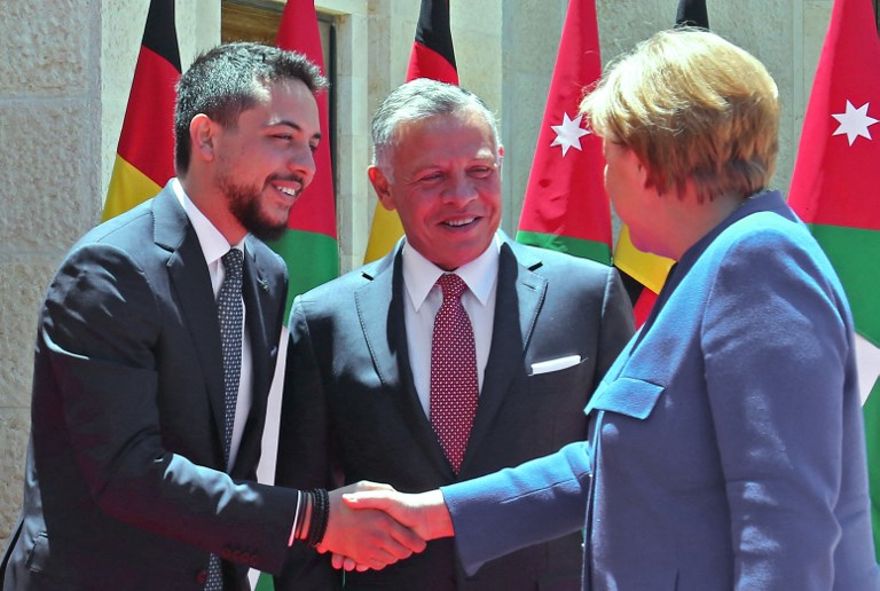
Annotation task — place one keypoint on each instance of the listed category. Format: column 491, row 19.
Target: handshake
column 372, row 525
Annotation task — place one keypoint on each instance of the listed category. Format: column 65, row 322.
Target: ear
column 641, row 169
column 202, row 137
column 382, row 187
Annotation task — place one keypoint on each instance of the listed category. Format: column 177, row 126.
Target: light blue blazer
column 726, row 442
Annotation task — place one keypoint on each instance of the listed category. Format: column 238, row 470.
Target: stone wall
column 50, row 99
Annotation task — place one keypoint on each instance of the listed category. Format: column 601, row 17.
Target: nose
column 302, row 163
column 461, row 189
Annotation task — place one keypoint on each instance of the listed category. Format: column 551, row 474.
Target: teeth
column 462, row 222
column 288, row 191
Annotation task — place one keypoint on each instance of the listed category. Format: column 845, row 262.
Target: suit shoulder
column 331, row 290
column 559, row 265
column 124, row 230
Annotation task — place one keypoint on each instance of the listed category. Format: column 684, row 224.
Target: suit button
column 202, row 576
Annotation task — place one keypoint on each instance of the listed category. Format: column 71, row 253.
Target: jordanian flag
column 431, row 57
column 309, row 245
column 836, row 189
column 145, row 154
column 565, row 207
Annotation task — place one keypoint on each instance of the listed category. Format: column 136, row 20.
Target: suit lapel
column 380, row 311
column 192, row 288
column 519, row 295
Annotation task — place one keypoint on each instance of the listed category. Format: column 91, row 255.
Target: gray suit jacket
column 125, row 485
column 351, row 412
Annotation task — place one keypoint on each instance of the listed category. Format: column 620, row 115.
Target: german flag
column 145, row 155
column 432, row 57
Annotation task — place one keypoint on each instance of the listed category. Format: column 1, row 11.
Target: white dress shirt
column 424, row 299
column 214, row 246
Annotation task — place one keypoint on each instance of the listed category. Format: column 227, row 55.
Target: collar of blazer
column 519, row 295
column 192, row 287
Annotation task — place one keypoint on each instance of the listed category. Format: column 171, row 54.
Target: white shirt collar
column 214, row 244
column 420, row 274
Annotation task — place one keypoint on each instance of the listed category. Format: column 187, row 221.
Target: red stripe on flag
column 147, row 137
column 424, row 62
column 643, row 306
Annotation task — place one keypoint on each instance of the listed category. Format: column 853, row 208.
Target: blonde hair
column 691, row 106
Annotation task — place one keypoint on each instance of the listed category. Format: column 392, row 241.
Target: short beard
column 244, row 203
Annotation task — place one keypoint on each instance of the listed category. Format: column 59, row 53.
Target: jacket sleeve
column 305, row 456
column 99, row 327
column 535, row 502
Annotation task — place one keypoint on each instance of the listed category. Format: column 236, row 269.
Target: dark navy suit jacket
column 125, row 477
column 351, row 411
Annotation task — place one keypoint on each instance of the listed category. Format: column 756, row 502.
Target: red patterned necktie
column 454, row 385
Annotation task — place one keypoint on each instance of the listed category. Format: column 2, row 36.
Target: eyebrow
column 294, row 125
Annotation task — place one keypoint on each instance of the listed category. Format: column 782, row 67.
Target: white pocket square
column 555, row 364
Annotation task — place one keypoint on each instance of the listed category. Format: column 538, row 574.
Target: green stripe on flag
column 264, row 583
column 854, row 253
column 585, row 249
column 312, row 259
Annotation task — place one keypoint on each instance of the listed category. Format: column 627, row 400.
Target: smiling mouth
column 290, row 192
column 292, row 188
column 459, row 223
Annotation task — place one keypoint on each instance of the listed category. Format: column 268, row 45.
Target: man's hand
column 425, row 513
column 370, row 538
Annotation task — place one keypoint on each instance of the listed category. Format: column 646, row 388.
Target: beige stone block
column 45, row 47
column 530, row 42
column 14, row 432
column 623, row 23
column 351, row 106
column 49, row 174
column 352, row 39
column 23, row 285
column 483, row 16
column 524, row 101
column 479, row 69
column 817, row 14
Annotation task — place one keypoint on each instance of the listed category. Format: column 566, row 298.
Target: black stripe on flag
column 433, row 30
column 692, row 13
column 160, row 34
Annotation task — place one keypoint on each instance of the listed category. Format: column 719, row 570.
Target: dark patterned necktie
column 454, row 384
column 230, row 311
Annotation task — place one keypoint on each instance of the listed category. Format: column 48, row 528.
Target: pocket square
column 555, row 364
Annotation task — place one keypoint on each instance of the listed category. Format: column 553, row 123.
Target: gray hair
column 416, row 100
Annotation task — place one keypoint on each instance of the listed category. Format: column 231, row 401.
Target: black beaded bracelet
column 320, row 516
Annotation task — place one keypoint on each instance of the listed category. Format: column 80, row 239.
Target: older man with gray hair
column 457, row 354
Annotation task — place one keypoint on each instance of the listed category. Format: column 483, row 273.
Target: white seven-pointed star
column 854, row 122
column 568, row 135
